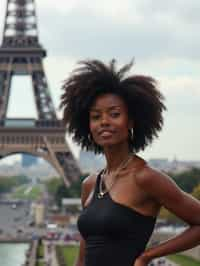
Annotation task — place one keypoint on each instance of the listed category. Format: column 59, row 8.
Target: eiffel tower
column 22, row 54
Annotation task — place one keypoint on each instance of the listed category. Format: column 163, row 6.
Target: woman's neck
column 115, row 156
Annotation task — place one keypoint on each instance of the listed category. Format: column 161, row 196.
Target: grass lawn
column 184, row 260
column 35, row 192
column 32, row 194
column 20, row 190
column 70, row 254
column 40, row 263
column 40, row 252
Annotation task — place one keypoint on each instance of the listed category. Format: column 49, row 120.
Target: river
column 12, row 254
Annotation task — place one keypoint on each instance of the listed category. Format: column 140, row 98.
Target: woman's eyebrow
column 94, row 109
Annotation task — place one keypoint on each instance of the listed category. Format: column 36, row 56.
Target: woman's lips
column 106, row 133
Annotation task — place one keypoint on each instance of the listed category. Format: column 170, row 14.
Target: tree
column 7, row 183
column 53, row 185
column 74, row 191
column 188, row 179
column 196, row 192
column 169, row 216
column 58, row 190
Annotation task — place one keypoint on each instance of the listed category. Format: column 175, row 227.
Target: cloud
column 106, row 29
column 144, row 32
column 183, row 11
column 161, row 35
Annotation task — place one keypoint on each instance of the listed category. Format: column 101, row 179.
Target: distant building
column 60, row 220
column 39, row 213
column 174, row 166
column 28, row 160
column 160, row 163
column 42, row 170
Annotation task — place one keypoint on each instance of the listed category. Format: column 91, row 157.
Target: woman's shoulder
column 156, row 183
column 146, row 175
column 89, row 181
column 87, row 187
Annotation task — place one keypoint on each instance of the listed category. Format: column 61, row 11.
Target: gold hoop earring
column 131, row 134
column 90, row 138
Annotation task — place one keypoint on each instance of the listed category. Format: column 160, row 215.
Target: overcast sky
column 162, row 36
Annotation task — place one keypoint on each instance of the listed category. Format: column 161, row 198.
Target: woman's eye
column 115, row 114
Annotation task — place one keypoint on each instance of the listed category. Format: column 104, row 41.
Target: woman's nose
column 104, row 120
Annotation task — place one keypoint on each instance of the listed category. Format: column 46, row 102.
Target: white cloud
column 184, row 85
column 163, row 37
column 64, row 6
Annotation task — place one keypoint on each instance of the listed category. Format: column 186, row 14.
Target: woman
column 118, row 116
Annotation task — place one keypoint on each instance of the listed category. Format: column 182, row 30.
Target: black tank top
column 115, row 234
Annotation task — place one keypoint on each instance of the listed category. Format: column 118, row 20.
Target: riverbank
column 15, row 241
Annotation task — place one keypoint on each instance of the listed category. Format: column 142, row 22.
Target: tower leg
column 65, row 164
column 5, row 80
column 22, row 54
column 43, row 99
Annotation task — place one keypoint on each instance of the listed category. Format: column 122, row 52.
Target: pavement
column 12, row 220
column 50, row 254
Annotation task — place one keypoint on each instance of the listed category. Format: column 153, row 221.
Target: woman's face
column 108, row 120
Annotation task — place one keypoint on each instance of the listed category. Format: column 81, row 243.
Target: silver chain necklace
column 113, row 174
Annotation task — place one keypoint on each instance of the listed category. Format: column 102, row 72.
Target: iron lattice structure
column 22, row 54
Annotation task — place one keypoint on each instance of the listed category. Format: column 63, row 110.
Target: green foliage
column 40, row 263
column 187, row 180
column 8, row 183
column 196, row 192
column 40, row 251
column 33, row 194
column 169, row 216
column 73, row 191
column 53, row 185
column 183, row 260
column 69, row 253
column 62, row 192
column 20, row 180
column 58, row 190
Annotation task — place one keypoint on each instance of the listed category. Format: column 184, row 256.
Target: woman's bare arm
column 169, row 195
column 87, row 187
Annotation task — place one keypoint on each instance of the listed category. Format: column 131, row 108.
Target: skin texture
column 138, row 186
column 109, row 122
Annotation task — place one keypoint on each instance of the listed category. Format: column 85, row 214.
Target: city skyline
column 162, row 38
